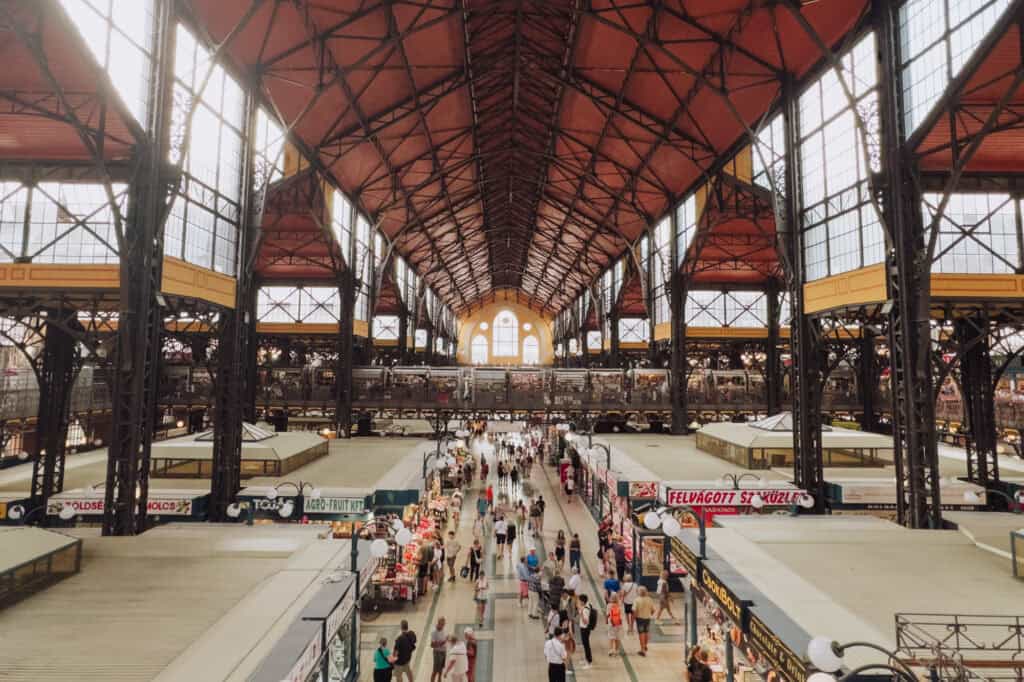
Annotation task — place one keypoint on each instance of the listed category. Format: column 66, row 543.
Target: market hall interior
column 317, row 318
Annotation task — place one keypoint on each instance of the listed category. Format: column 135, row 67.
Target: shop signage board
column 307, row 663
column 685, row 557
column 334, row 505
column 704, row 497
column 643, row 490
column 733, row 607
column 89, row 506
column 790, row 666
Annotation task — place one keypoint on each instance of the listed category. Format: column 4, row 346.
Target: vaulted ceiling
column 520, row 143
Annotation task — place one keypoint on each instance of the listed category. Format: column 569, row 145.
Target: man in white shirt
column 572, row 586
column 458, row 660
column 500, row 532
column 554, row 653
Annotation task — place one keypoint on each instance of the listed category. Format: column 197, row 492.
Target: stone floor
column 510, row 643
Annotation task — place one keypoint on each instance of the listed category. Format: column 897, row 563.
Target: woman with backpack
column 614, row 619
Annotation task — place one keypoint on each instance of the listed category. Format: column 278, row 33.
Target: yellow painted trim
column 977, row 286
column 184, row 279
column 866, row 285
column 361, row 328
column 59, row 276
column 632, row 345
column 298, row 328
column 386, row 343
column 727, row 332
column 663, row 331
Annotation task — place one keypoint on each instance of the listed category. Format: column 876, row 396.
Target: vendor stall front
column 264, row 453
column 722, row 498
column 768, row 443
column 163, row 505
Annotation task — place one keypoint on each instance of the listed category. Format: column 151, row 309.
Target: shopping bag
column 464, row 572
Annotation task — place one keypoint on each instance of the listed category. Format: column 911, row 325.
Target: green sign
column 334, row 505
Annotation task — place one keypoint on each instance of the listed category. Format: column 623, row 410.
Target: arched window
column 573, row 346
column 531, row 350
column 478, row 350
column 506, row 334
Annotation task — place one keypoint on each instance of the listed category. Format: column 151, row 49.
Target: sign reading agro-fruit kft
column 334, row 505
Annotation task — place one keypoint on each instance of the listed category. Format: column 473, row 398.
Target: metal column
column 868, row 376
column 915, row 448
column 227, row 416
column 680, row 364
column 343, row 369
column 772, row 366
column 137, row 356
column 805, row 334
column 55, row 372
column 979, row 400
column 614, row 360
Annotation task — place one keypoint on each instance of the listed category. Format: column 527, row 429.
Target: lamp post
column 737, row 479
column 665, row 519
column 1013, row 503
column 378, row 550
column 826, row 655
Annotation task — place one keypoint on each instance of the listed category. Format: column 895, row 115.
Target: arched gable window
column 531, row 350
column 478, row 350
column 506, row 334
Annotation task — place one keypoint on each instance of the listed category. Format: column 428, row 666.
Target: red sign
column 734, row 498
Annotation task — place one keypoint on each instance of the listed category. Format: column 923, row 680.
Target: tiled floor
column 511, row 644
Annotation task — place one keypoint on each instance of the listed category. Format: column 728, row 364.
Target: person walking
column 481, row 506
column 510, row 534
column 514, row 477
column 611, row 587
column 629, row 594
column 382, row 662
column 480, row 590
column 643, row 610
column 555, row 655
column 697, row 667
column 451, row 552
column 570, row 488
column 664, row 597
column 619, row 550
column 438, row 644
column 471, row 648
column 535, row 515
column 490, row 496
column 560, row 548
column 500, row 534
column 458, row 660
column 476, row 559
column 572, row 585
column 405, row 644
column 542, row 506
column 575, row 552
column 614, row 620
column 533, row 606
column 523, row 574
column 588, row 621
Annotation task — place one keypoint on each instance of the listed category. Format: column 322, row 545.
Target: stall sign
column 775, row 652
column 307, row 663
column 94, row 506
column 262, row 504
column 340, row 614
column 733, row 498
column 643, row 490
column 734, row 607
column 334, row 505
column 684, row 557
column 3, row 511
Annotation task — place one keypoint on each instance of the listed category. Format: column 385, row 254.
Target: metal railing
column 962, row 646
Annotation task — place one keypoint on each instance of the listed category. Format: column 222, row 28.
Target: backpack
column 592, row 620
column 615, row 615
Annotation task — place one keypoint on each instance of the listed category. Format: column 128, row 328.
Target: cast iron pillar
column 772, row 366
column 805, row 332
column 403, row 334
column 868, row 378
column 915, row 449
column 137, row 355
column 680, row 366
column 614, row 359
column 343, row 370
column 979, row 400
column 55, row 372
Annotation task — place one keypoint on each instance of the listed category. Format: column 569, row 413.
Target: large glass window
column 593, row 340
column 937, row 37
column 686, row 227
column 531, row 350
column 385, row 327
column 977, row 233
column 203, row 226
column 661, row 271
column 268, row 142
column 312, row 305
column 506, row 334
column 120, row 35
column 67, row 222
column 633, row 330
column 341, row 223
column 478, row 350
column 769, row 155
column 841, row 229
column 727, row 309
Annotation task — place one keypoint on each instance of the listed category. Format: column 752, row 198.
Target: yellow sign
column 732, row 606
column 777, row 654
